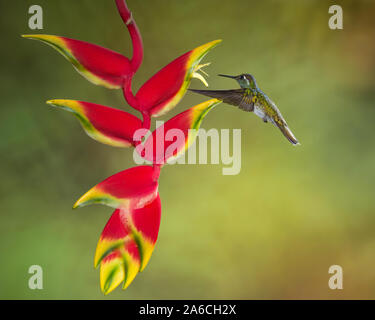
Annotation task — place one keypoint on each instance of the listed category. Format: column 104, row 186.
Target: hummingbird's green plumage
column 250, row 98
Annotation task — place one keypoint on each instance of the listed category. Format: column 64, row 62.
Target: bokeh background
column 270, row 232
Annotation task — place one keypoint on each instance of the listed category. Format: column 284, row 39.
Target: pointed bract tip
column 81, row 202
column 213, row 43
column 32, row 36
column 66, row 103
column 84, row 200
column 76, row 204
column 51, row 103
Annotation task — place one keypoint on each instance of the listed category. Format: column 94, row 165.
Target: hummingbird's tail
column 288, row 133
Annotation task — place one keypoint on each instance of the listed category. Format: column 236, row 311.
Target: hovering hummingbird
column 250, row 98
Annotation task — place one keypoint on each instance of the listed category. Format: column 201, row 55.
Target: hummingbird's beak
column 226, row 76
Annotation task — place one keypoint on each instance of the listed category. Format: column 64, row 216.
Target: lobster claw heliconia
column 128, row 239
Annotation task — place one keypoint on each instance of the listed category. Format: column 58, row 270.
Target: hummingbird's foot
column 198, row 75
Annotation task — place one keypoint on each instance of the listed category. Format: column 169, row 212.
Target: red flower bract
column 104, row 124
column 173, row 137
column 166, row 88
column 99, row 65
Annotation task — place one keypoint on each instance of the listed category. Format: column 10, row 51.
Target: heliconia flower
column 128, row 239
column 176, row 135
column 99, row 65
column 126, row 244
column 166, row 88
column 129, row 189
column 104, row 124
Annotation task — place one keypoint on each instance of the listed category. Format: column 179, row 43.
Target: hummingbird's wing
column 235, row 97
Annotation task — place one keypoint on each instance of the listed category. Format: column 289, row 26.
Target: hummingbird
column 251, row 98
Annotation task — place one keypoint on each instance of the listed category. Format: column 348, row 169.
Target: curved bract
column 166, row 88
column 99, row 65
column 176, row 135
column 129, row 189
column 104, row 124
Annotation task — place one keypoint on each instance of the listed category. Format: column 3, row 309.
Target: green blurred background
column 270, row 232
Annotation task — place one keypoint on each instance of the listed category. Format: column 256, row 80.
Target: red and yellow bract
column 104, row 124
column 166, row 88
column 160, row 147
column 130, row 189
column 99, row 65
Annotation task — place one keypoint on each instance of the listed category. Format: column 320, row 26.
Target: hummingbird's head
column 245, row 80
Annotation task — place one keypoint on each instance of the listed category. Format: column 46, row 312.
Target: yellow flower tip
column 61, row 102
column 100, row 252
column 32, row 36
column 111, row 276
column 126, row 284
column 109, row 289
column 66, row 104
column 81, row 202
column 210, row 44
column 52, row 103
column 76, row 205
column 92, row 196
column 96, row 262
column 106, row 291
